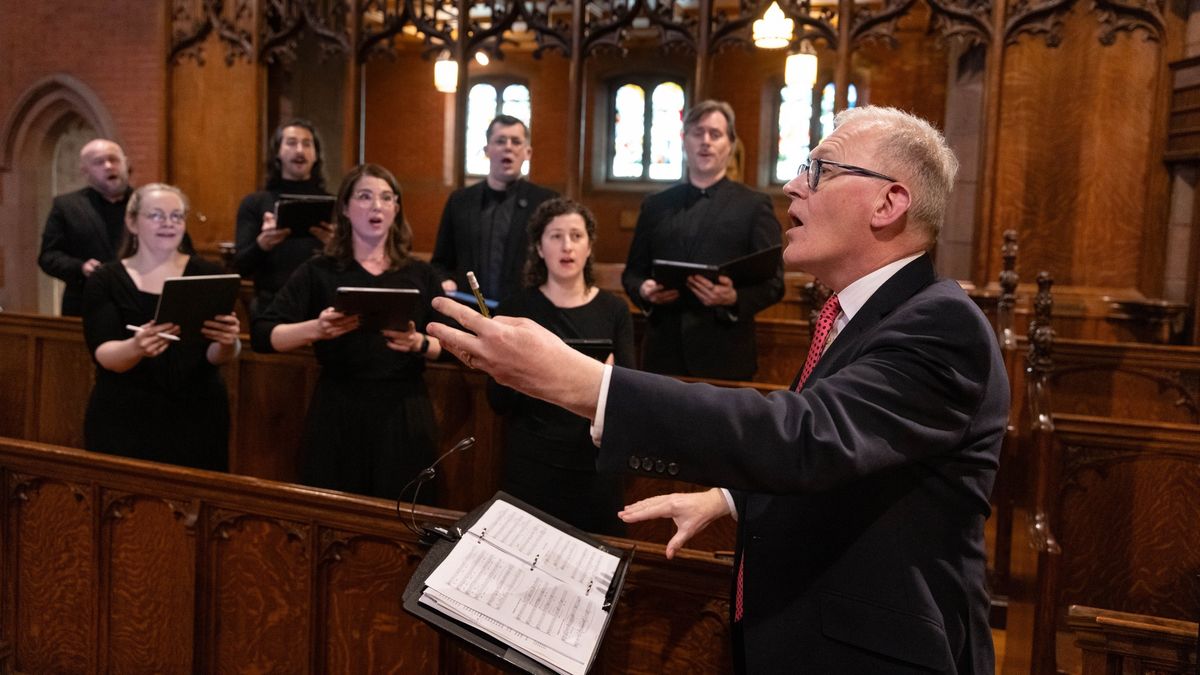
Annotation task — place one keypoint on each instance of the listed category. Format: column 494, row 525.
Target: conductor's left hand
column 691, row 511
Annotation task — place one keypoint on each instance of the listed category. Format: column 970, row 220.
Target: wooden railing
column 1119, row 643
column 116, row 565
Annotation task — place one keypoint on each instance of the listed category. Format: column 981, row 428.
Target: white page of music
column 528, row 583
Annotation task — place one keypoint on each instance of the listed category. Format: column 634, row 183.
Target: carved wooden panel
column 1130, row 518
column 262, row 591
column 151, row 567
column 249, row 566
column 215, row 140
column 1068, row 113
column 66, row 373
column 692, row 637
column 363, row 580
column 55, row 574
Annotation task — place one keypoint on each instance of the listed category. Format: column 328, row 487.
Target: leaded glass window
column 486, row 100
column 646, row 134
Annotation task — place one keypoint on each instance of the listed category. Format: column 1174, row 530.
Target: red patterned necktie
column 825, row 321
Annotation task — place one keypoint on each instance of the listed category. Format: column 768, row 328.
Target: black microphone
column 428, row 532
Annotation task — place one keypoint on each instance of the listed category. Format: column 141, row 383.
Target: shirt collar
column 854, row 296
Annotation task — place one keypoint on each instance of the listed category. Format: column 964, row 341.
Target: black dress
column 171, row 408
column 370, row 426
column 550, row 460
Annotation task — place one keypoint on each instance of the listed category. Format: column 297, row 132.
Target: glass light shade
column 774, row 30
column 445, row 75
column 481, row 58
column 800, row 70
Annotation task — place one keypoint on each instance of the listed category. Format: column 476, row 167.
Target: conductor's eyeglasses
column 815, row 167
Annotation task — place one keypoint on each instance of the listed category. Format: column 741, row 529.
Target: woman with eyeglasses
column 550, row 459
column 370, row 425
column 156, row 397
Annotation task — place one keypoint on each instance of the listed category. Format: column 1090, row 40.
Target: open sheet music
column 528, row 584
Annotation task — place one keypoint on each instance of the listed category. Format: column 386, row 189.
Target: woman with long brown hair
column 370, row 423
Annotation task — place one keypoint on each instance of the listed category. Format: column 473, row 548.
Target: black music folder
column 597, row 348
column 298, row 213
column 753, row 268
column 522, row 587
column 190, row 301
column 378, row 308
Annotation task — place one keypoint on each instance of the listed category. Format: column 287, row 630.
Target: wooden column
column 841, row 69
column 703, row 56
column 575, row 97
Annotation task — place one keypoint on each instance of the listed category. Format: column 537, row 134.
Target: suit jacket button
column 660, row 466
column 634, row 462
column 673, row 469
column 647, row 464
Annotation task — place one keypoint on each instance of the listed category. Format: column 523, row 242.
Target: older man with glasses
column 861, row 493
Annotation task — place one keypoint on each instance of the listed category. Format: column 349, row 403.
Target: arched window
column 801, row 125
column 486, row 100
column 645, row 139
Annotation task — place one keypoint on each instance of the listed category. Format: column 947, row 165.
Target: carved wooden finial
column 1008, row 275
column 1041, row 334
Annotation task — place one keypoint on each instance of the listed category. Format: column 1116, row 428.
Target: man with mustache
column 707, row 329
column 483, row 226
column 266, row 253
column 84, row 227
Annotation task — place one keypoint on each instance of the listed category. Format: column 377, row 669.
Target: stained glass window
column 800, row 126
column 646, row 131
column 486, row 100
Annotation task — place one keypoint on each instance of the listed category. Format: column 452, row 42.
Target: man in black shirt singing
column 483, row 226
column 84, row 227
column 266, row 253
column 707, row 329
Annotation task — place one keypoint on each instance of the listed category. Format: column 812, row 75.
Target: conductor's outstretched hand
column 691, row 511
column 520, row 354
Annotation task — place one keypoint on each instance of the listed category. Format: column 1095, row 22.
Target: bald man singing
column 84, row 227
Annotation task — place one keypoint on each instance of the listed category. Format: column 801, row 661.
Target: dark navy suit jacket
column 862, row 498
column 457, row 248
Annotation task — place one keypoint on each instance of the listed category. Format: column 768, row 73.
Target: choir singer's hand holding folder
column 529, row 585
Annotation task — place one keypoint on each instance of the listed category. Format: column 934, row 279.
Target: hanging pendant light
column 800, row 69
column 774, row 30
column 445, row 73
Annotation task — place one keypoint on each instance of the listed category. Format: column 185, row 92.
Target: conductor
column 861, row 494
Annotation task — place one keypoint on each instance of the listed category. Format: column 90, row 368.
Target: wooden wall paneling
column 53, row 539
column 1077, row 115
column 66, row 373
column 272, row 405
column 148, row 573
column 215, row 144
column 17, row 376
column 1143, row 382
column 469, row 478
column 260, row 567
